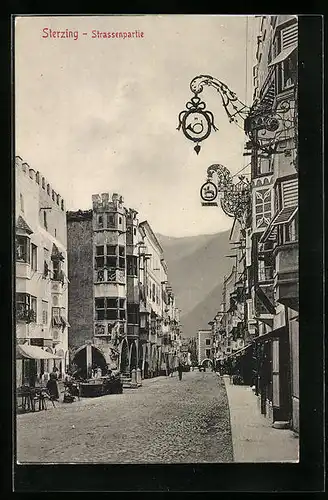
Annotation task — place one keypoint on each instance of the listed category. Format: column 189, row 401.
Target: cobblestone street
column 165, row 420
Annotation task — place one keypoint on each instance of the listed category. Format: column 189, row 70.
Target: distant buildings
column 41, row 276
column 205, row 348
column 121, row 309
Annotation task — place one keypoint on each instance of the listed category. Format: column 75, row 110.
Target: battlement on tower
column 104, row 203
column 39, row 179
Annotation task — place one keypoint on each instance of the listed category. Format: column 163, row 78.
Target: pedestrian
column 180, row 370
column 52, row 386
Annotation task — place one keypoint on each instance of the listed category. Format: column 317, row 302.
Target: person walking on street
column 180, row 370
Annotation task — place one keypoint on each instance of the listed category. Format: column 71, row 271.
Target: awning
column 270, row 335
column 283, row 55
column 240, row 351
column 283, row 217
column 24, row 351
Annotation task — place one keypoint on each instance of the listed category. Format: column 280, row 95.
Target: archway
column 80, row 360
column 124, row 357
column 133, row 356
column 207, row 363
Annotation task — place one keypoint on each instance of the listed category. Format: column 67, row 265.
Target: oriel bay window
column 110, row 256
column 23, row 249
column 111, row 308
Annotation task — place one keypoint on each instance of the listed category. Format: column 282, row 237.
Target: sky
column 98, row 115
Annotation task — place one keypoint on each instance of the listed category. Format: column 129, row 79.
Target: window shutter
column 289, row 36
column 290, row 193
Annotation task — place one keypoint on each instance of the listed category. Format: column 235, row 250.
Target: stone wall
column 80, row 273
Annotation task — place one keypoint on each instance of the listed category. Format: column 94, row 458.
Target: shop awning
column 283, row 55
column 271, row 335
column 33, row 352
column 240, row 351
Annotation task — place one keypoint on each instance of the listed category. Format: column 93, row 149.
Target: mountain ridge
column 196, row 268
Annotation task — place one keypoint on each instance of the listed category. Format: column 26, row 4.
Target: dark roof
column 23, row 226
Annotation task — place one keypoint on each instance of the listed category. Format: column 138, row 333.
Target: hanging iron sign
column 196, row 123
column 208, row 192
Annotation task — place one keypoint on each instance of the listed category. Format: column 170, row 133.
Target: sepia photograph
column 156, row 239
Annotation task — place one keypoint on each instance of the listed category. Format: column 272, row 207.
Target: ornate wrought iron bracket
column 234, row 197
column 264, row 126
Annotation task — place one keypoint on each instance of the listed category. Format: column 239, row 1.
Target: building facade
column 273, row 234
column 117, row 306
column 41, row 273
column 205, row 347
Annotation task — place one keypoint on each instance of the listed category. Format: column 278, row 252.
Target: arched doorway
column 124, row 357
column 80, row 360
column 133, row 356
column 207, row 363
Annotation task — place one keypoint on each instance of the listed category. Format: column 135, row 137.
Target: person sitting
column 52, row 386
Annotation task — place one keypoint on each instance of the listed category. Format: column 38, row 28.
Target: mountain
column 204, row 312
column 196, row 268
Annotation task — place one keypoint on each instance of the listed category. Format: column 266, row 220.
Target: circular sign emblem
column 196, row 125
column 208, row 191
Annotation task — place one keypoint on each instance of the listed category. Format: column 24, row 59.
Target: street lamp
column 263, row 126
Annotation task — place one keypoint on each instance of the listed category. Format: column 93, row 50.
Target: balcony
column 287, row 275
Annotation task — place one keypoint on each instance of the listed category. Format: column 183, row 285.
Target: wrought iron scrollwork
column 234, row 197
column 265, row 127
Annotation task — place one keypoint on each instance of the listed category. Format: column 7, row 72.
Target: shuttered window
column 290, row 193
column 289, row 36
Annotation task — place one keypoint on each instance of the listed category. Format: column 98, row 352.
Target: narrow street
column 164, row 421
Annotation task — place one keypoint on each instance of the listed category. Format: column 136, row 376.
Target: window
column 34, row 257
column 110, row 308
column 48, row 188
column 121, row 260
column 289, row 71
column 46, row 260
column 264, row 166
column 153, row 292
column 56, row 268
column 45, row 222
column 132, row 265
column 111, row 249
column 22, row 306
column 56, row 320
column 44, row 312
column 62, row 204
column 53, row 195
column 100, row 221
column 21, row 202
column 291, row 230
column 111, row 220
column 207, row 353
column 262, row 208
column 43, row 183
column 57, row 199
column 33, row 308
column 120, row 220
column 133, row 314
column 134, row 231
column 23, row 249
column 100, row 257
column 208, row 341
